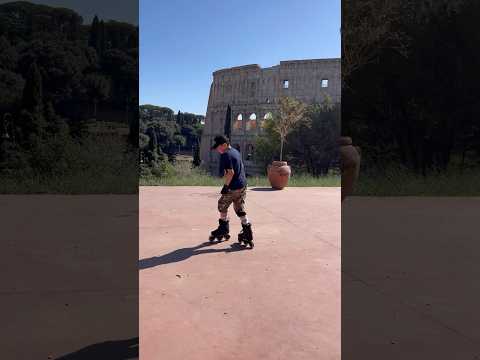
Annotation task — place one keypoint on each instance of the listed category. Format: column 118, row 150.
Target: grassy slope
column 399, row 182
column 186, row 176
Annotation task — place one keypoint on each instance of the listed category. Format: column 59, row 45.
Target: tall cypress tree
column 94, row 33
column 33, row 91
column 97, row 38
column 179, row 118
column 228, row 122
column 102, row 38
column 196, row 155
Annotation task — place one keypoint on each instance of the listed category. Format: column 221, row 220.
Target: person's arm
column 228, row 174
column 227, row 178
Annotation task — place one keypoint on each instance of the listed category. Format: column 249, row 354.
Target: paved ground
column 68, row 276
column 410, row 285
column 280, row 300
column 409, row 289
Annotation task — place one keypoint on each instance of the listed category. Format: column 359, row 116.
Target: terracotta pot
column 278, row 174
column 350, row 165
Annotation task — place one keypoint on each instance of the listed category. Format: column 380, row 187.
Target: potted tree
column 290, row 115
column 350, row 157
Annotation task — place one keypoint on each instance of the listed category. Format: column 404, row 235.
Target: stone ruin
column 253, row 94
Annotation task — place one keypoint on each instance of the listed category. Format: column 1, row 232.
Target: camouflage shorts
column 237, row 197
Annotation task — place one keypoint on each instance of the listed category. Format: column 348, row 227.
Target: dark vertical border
column 409, row 102
column 69, row 179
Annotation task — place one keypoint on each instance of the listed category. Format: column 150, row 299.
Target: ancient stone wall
column 253, row 93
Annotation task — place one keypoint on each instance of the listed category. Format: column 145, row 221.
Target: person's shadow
column 263, row 189
column 118, row 350
column 184, row 254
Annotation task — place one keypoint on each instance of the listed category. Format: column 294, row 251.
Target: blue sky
column 183, row 41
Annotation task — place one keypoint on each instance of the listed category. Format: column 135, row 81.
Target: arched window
column 252, row 122
column 238, row 123
column 267, row 116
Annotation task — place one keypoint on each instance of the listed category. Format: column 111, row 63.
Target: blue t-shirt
column 231, row 159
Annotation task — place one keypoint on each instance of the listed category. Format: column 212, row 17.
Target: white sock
column 244, row 220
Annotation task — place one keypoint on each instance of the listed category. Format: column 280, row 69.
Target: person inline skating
column 233, row 191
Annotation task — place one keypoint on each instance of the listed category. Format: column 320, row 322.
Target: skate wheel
column 227, row 237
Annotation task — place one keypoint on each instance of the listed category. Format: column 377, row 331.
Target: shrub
column 163, row 169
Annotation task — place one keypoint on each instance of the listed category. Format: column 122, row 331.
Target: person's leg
column 246, row 235
column 223, row 204
column 223, row 229
column 239, row 206
column 244, row 219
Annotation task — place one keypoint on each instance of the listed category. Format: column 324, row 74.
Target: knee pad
column 240, row 213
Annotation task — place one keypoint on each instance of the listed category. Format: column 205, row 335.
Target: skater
column 234, row 191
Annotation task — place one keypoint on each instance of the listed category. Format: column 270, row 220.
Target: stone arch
column 252, row 122
column 267, row 116
column 238, row 124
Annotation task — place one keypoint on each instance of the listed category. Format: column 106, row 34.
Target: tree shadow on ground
column 184, row 254
column 118, row 350
column 263, row 189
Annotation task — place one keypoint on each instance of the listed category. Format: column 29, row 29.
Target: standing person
column 234, row 191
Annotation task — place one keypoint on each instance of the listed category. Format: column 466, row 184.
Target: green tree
column 56, row 125
column 314, row 147
column 196, row 156
column 267, row 145
column 11, row 88
column 399, row 43
column 102, row 42
column 179, row 140
column 97, row 36
column 8, row 55
column 33, row 92
column 179, row 118
column 144, row 141
column 62, row 64
column 368, row 28
column 98, row 89
column 94, row 36
column 134, row 131
column 289, row 116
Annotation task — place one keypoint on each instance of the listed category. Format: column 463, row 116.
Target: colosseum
column 253, row 94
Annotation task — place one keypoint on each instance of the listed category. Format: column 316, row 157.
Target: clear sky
column 183, row 41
